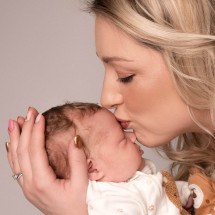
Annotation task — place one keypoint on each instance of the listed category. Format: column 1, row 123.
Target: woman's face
column 138, row 85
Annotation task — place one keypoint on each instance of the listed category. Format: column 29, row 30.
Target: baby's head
column 111, row 153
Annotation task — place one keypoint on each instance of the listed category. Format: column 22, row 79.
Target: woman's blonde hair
column 183, row 31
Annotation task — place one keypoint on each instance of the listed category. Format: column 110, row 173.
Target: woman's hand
column 27, row 155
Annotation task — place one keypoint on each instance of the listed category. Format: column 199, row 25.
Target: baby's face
column 113, row 150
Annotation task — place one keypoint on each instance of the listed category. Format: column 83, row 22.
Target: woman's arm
column 27, row 155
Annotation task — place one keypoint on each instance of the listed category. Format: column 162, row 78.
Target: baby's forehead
column 100, row 119
column 93, row 126
column 98, row 122
column 90, row 117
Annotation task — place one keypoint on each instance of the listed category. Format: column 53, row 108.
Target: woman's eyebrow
column 107, row 59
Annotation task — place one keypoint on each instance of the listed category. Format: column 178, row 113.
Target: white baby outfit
column 143, row 194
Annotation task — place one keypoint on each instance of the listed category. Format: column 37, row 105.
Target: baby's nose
column 131, row 136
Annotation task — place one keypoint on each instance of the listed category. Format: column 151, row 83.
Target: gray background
column 47, row 57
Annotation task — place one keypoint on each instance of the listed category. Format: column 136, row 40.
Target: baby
column 120, row 180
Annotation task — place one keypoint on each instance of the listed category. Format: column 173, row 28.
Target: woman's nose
column 111, row 96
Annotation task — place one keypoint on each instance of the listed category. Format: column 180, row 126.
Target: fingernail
column 10, row 125
column 28, row 115
column 7, row 146
column 38, row 118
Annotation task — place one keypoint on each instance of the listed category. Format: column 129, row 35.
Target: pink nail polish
column 38, row 118
column 10, row 125
column 28, row 115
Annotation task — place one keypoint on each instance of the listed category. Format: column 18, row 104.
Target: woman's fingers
column 72, row 192
column 39, row 160
column 24, row 143
column 9, row 157
column 20, row 120
column 27, row 155
column 78, row 167
column 7, row 144
column 18, row 154
column 79, row 178
column 14, row 134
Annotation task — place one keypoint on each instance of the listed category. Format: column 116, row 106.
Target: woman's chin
column 152, row 140
column 149, row 142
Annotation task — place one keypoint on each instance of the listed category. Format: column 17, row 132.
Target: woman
column 159, row 65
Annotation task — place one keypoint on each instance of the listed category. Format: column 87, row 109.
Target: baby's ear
column 94, row 174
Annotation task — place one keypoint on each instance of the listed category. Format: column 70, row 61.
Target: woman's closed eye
column 126, row 79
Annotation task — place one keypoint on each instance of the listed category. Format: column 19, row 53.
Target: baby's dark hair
column 59, row 120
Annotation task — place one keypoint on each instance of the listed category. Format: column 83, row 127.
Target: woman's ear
column 94, row 173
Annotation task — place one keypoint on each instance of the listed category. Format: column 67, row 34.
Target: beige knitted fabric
column 172, row 192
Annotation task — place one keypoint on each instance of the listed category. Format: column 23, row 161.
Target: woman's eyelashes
column 126, row 79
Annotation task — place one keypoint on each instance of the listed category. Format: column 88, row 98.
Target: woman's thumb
column 78, row 166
